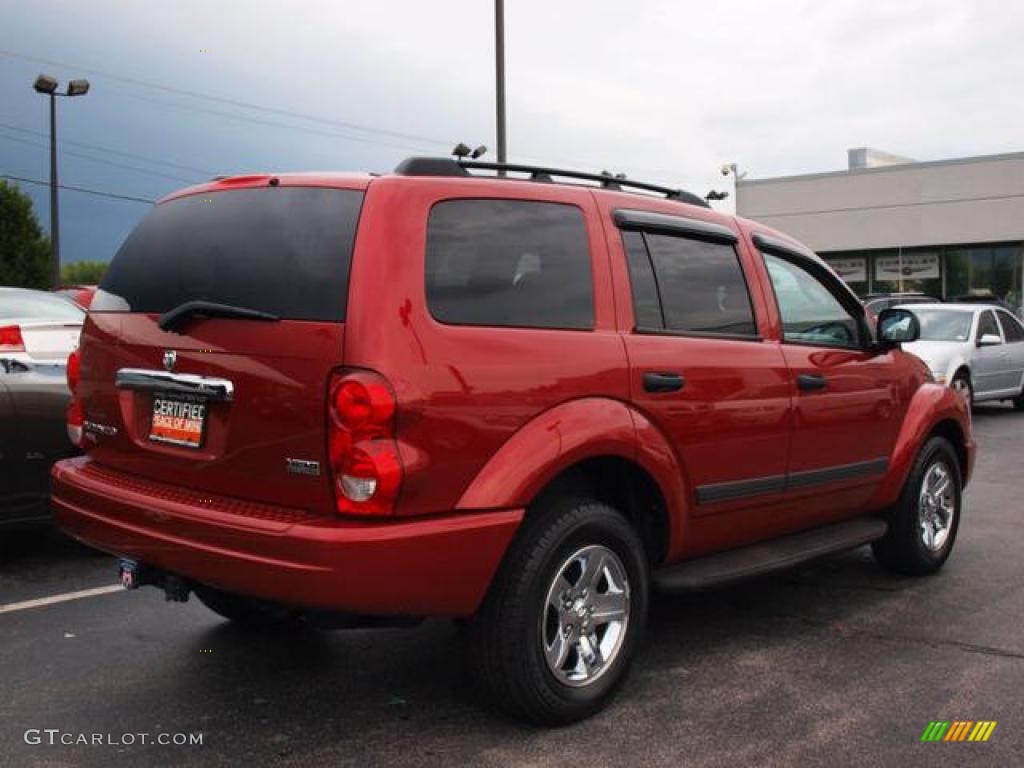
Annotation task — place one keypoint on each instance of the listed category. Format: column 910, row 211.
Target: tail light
column 74, row 414
column 361, row 446
column 10, row 339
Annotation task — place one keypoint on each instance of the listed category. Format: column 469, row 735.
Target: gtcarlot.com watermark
column 55, row 736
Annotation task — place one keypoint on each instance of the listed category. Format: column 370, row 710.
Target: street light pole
column 47, row 86
column 54, row 213
column 499, row 71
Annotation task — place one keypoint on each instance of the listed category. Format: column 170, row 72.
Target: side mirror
column 897, row 326
column 989, row 340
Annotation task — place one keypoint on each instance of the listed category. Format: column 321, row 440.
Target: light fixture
column 45, row 84
column 78, row 88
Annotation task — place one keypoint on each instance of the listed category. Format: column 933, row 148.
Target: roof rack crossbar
column 606, row 180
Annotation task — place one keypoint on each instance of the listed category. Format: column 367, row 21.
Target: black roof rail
column 446, row 166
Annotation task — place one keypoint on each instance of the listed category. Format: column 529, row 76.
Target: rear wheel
column 244, row 611
column 924, row 523
column 1018, row 401
column 555, row 636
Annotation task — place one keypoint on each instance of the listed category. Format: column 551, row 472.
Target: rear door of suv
column 701, row 370
column 223, row 401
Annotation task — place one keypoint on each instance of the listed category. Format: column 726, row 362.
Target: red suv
column 522, row 402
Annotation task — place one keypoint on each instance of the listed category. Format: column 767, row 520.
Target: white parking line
column 40, row 602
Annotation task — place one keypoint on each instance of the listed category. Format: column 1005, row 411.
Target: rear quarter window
column 509, row 263
column 282, row 250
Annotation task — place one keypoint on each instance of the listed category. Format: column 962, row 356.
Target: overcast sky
column 664, row 91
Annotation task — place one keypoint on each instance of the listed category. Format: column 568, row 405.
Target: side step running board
column 767, row 556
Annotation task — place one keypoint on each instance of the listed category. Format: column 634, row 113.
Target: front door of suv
column 848, row 401
column 700, row 371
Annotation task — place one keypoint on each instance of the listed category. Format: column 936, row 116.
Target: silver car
column 38, row 327
column 973, row 348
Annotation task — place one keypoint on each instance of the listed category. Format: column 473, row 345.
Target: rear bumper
column 441, row 566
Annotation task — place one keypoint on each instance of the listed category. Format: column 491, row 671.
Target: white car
column 974, row 348
column 38, row 328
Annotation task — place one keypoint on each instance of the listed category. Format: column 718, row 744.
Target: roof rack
column 445, row 166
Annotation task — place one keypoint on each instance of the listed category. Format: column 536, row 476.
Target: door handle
column 663, row 382
column 810, row 382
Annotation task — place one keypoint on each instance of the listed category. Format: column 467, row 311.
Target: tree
column 24, row 250
column 83, row 272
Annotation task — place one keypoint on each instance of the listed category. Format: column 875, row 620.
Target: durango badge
column 170, row 360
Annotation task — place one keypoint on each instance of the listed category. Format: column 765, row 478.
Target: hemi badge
column 303, row 467
column 99, row 429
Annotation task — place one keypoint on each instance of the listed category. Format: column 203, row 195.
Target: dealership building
column 948, row 228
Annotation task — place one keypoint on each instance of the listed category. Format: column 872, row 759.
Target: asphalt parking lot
column 836, row 663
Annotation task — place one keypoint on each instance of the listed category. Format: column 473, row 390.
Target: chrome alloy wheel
column 585, row 615
column 936, row 505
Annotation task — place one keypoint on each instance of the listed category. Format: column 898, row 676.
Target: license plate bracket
column 178, row 419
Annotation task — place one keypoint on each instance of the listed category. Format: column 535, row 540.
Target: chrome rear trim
column 177, row 383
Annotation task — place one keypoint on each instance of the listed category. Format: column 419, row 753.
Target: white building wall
column 974, row 200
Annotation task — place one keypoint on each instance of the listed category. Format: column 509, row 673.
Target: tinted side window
column 810, row 313
column 701, row 286
column 987, row 325
column 646, row 305
column 1012, row 329
column 509, row 263
column 282, row 250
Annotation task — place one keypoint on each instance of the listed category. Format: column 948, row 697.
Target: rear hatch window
column 281, row 250
column 284, row 252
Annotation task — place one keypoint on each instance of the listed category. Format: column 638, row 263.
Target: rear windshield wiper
column 173, row 318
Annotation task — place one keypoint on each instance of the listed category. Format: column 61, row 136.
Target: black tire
column 245, row 611
column 903, row 549
column 1018, row 401
column 507, row 637
column 962, row 379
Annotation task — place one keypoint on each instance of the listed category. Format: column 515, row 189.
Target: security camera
column 726, row 169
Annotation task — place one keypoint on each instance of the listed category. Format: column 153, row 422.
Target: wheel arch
column 934, row 409
column 954, row 433
column 601, row 444
column 624, row 485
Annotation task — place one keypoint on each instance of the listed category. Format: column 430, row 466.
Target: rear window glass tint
column 702, row 286
column 509, row 263
column 646, row 305
column 1011, row 327
column 282, row 250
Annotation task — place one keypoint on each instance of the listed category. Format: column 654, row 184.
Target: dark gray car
column 33, row 436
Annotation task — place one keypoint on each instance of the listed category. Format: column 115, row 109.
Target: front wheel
column 924, row 523
column 555, row 636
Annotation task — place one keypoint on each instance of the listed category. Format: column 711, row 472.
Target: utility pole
column 499, row 71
